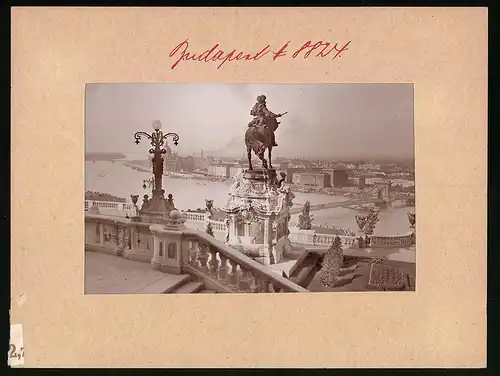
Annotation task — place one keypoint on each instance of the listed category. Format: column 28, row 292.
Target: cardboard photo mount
column 442, row 51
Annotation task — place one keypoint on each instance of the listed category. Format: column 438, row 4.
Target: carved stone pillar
column 126, row 238
column 120, row 243
column 101, row 233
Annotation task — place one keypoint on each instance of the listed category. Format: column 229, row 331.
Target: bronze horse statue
column 259, row 138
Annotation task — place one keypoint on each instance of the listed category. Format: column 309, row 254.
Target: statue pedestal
column 258, row 213
column 156, row 211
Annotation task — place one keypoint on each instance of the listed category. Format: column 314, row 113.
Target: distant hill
column 104, row 156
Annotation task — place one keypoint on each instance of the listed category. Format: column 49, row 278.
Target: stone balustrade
column 310, row 237
column 183, row 250
column 111, row 208
column 327, row 240
column 196, row 217
column 392, row 240
column 231, row 269
column 306, row 237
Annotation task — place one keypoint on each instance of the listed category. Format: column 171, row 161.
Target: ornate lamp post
column 157, row 139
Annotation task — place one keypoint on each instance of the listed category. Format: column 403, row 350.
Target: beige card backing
column 443, row 51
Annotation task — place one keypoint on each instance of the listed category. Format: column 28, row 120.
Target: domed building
column 171, row 160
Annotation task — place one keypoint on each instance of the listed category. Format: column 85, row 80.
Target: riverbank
column 99, row 196
column 122, row 181
column 176, row 175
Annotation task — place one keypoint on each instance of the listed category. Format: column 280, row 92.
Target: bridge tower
column 384, row 192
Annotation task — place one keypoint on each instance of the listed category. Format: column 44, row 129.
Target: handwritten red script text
column 218, row 55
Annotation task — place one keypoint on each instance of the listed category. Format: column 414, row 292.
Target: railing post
column 223, row 269
column 101, row 232
column 203, row 256
column 265, row 285
column 233, row 277
column 277, row 288
column 254, row 287
column 214, row 263
column 193, row 255
column 244, row 282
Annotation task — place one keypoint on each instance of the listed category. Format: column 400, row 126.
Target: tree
column 305, row 218
column 371, row 222
column 334, row 259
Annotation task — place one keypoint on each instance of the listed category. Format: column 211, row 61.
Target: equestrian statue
column 260, row 133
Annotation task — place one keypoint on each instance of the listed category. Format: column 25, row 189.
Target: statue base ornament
column 257, row 210
column 155, row 210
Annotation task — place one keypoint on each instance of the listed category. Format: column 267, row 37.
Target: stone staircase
column 188, row 285
column 184, row 284
column 306, row 269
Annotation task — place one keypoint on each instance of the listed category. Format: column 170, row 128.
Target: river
column 122, row 181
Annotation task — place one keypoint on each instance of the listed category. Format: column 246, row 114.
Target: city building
column 233, row 170
column 368, row 166
column 172, row 163
column 359, row 181
column 187, row 164
column 311, row 179
column 289, row 174
column 338, row 177
column 348, row 166
column 219, row 170
column 284, row 165
column 201, row 164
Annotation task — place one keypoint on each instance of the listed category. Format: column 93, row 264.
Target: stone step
column 188, row 288
column 207, row 291
column 304, row 273
column 166, row 284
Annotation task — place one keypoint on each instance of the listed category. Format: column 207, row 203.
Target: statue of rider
column 261, row 113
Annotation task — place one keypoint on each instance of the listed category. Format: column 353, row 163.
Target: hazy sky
column 323, row 120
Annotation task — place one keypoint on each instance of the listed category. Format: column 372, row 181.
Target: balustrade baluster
column 214, row 263
column 233, row 278
column 265, row 286
column 277, row 288
column 223, row 269
column 203, row 257
column 244, row 282
column 193, row 254
column 254, row 286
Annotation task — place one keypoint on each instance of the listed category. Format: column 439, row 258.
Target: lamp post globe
column 157, row 125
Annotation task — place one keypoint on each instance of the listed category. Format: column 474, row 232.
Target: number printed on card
column 16, row 346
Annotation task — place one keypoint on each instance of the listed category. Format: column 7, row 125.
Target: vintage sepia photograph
column 249, row 188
